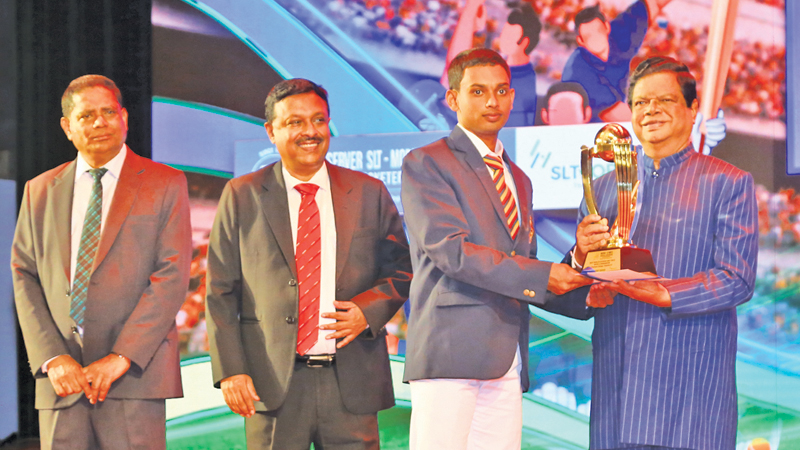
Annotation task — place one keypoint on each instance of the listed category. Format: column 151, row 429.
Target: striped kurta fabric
column 666, row 377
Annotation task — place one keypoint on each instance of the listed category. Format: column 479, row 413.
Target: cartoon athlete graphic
column 601, row 62
column 518, row 37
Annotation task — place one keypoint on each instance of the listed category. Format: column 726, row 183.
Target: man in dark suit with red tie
column 307, row 262
column 100, row 264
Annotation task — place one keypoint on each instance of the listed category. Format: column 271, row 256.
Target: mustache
column 302, row 141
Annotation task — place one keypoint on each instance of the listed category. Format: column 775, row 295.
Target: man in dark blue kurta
column 601, row 62
column 665, row 351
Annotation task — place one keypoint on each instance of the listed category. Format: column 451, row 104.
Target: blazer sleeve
column 223, row 291
column 438, row 225
column 731, row 281
column 571, row 304
column 43, row 340
column 154, row 315
column 390, row 289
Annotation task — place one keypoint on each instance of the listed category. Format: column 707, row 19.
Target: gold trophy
column 620, row 259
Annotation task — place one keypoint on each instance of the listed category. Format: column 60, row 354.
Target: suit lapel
column 461, row 143
column 523, row 199
column 63, row 187
column 344, row 215
column 275, row 206
column 124, row 195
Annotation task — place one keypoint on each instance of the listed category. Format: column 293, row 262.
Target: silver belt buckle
column 320, row 360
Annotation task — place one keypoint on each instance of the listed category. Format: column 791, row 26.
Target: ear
column 452, row 99
column 124, row 114
column 65, row 126
column 545, row 116
column 523, row 43
column 513, row 93
column 587, row 114
column 579, row 40
column 694, row 107
column 270, row 134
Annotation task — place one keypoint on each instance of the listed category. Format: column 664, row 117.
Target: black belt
column 316, row 360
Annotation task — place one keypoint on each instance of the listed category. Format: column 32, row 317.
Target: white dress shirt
column 483, row 149
column 328, row 247
column 82, row 192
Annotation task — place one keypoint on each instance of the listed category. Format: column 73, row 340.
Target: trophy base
column 626, row 263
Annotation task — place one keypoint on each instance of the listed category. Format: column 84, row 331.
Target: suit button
column 292, row 282
column 526, row 293
column 290, row 320
column 531, row 294
column 513, row 253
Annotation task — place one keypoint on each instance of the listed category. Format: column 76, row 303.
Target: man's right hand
column 239, row 393
column 67, row 377
column 601, row 295
column 564, row 278
column 592, row 234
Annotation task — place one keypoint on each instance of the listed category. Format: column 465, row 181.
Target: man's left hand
column 350, row 322
column 651, row 292
column 103, row 372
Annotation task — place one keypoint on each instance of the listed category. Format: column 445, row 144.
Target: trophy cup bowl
column 620, row 259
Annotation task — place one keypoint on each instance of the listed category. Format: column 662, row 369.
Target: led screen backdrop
column 382, row 62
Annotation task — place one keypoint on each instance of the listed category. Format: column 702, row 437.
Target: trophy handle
column 586, row 175
column 627, row 189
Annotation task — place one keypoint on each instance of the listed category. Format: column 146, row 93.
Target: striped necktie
column 308, row 261
column 90, row 238
column 506, row 198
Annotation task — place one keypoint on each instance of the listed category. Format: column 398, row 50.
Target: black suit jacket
column 252, row 296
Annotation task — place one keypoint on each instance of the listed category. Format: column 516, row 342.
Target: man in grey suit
column 468, row 212
column 100, row 264
column 307, row 262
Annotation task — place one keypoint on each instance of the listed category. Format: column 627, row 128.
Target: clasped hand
column 68, row 377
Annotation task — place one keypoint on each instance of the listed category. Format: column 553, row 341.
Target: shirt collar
column 592, row 60
column 672, row 160
column 483, row 149
column 114, row 166
column 320, row 178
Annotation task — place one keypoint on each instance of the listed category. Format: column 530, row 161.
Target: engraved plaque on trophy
column 620, row 259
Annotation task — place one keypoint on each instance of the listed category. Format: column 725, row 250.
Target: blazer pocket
column 452, row 298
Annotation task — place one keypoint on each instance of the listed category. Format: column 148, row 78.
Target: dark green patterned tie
column 90, row 238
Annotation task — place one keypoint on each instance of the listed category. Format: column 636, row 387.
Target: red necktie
column 308, row 261
column 506, row 198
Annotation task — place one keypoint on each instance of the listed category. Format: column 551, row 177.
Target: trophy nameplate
column 620, row 260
